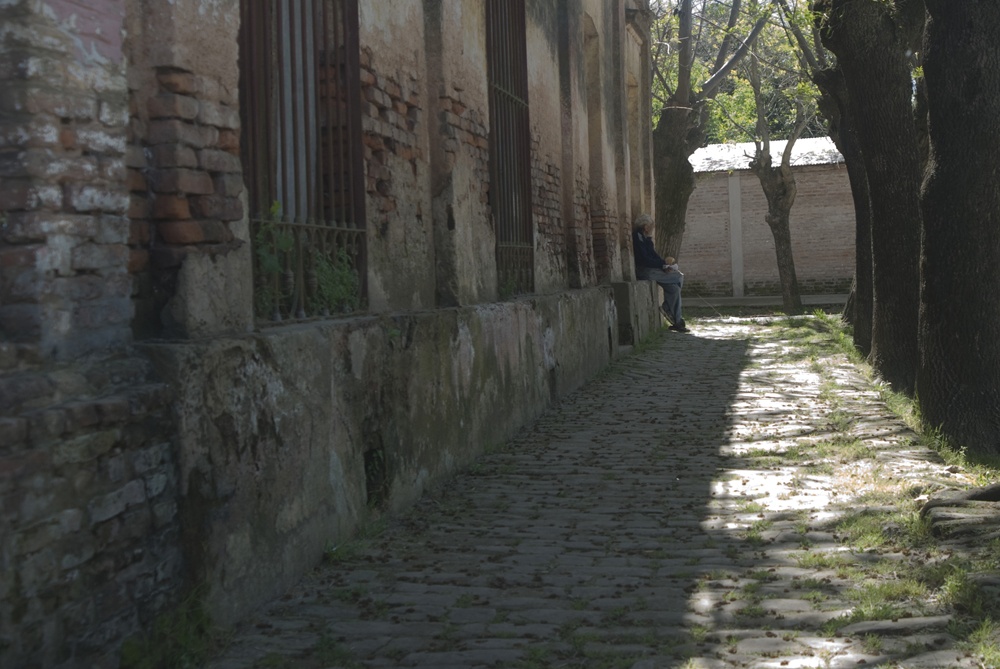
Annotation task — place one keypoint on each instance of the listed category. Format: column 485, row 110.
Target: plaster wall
column 551, row 121
column 395, row 118
column 459, row 128
column 638, row 129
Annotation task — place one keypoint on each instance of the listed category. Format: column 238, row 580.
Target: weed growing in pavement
column 273, row 661
column 984, row 642
column 182, row 637
column 840, row 421
column 535, row 658
column 815, row 597
column 465, row 601
column 752, row 611
column 873, row 593
column 332, row 654
column 763, row 576
column 877, row 528
column 349, row 550
column 754, row 535
column 872, row 643
column 862, row 613
column 821, row 561
column 749, row 505
column 698, row 633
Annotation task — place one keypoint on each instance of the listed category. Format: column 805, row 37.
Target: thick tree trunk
column 779, row 189
column 835, row 106
column 959, row 380
column 777, row 220
column 872, row 50
column 675, row 138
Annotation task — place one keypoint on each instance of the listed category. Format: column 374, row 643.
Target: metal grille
column 301, row 150
column 510, row 145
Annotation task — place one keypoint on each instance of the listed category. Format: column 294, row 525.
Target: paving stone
column 618, row 526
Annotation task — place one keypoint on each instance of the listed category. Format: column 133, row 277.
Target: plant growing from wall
column 271, row 246
column 181, row 637
column 337, row 283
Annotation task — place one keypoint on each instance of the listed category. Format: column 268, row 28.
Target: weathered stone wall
column 822, row 229
column 337, row 421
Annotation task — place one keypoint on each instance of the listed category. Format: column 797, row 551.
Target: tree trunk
column 834, row 104
column 778, row 184
column 959, row 380
column 871, row 47
column 777, row 220
column 675, row 138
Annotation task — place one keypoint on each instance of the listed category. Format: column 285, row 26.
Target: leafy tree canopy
column 732, row 115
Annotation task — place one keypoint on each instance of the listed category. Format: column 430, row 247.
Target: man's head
column 644, row 224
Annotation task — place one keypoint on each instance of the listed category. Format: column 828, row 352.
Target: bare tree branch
column 686, row 54
column 729, row 36
column 807, row 53
column 711, row 87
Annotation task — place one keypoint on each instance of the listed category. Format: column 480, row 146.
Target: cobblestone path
column 686, row 509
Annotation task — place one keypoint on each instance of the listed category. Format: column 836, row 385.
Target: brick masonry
column 89, row 549
column 63, row 225
column 546, row 202
column 185, row 182
column 90, row 485
column 582, row 263
column 822, row 229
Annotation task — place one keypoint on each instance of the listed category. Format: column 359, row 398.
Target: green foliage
column 183, row 638
column 507, row 288
column 732, row 113
column 333, row 282
column 337, row 283
column 271, row 245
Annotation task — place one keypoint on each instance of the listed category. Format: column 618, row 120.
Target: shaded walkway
column 677, row 512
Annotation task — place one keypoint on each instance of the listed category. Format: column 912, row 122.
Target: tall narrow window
column 510, row 146
column 301, row 150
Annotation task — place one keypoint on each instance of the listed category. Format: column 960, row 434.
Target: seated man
column 649, row 265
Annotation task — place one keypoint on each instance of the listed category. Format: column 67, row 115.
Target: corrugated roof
column 727, row 157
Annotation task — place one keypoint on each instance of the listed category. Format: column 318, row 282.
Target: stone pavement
column 678, row 511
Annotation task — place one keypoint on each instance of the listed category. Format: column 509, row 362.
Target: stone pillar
column 189, row 234
column 64, row 287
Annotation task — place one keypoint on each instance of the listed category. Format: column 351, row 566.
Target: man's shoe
column 679, row 327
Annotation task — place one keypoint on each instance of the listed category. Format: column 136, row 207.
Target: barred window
column 301, row 152
column 510, row 146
